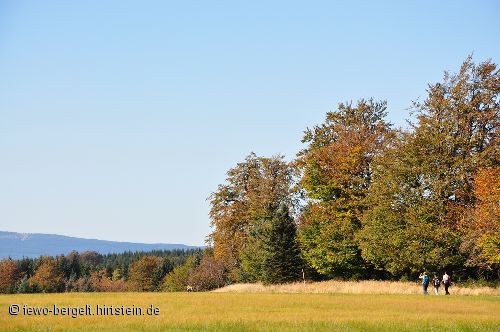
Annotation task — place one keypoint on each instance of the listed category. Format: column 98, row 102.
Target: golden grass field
column 355, row 287
column 262, row 311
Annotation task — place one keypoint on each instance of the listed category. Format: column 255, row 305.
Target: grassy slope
column 264, row 311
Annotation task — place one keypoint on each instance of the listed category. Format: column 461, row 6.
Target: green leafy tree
column 336, row 175
column 401, row 231
column 254, row 251
column 178, row 279
column 424, row 185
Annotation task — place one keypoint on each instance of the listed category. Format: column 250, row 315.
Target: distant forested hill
column 18, row 245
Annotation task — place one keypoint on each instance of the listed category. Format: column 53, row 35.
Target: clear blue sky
column 119, row 118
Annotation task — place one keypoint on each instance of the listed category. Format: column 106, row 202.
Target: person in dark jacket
column 436, row 283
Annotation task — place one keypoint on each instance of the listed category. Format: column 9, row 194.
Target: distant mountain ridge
column 19, row 245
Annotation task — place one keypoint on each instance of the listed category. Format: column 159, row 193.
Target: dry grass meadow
column 355, row 287
column 328, row 306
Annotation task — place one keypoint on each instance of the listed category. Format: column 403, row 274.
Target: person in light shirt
column 446, row 282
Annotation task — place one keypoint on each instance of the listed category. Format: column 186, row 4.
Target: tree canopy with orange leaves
column 377, row 201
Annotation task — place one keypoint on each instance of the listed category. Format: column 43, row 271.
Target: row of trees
column 362, row 200
column 90, row 271
column 366, row 200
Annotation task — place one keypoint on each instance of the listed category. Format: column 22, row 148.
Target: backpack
column 437, row 282
column 426, row 279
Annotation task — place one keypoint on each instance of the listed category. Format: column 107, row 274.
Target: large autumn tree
column 9, row 275
column 336, row 175
column 241, row 207
column 481, row 230
column 209, row 274
column 424, row 186
column 48, row 277
column 146, row 274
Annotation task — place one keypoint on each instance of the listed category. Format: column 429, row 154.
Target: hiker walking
column 446, row 282
column 425, row 281
column 436, row 282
